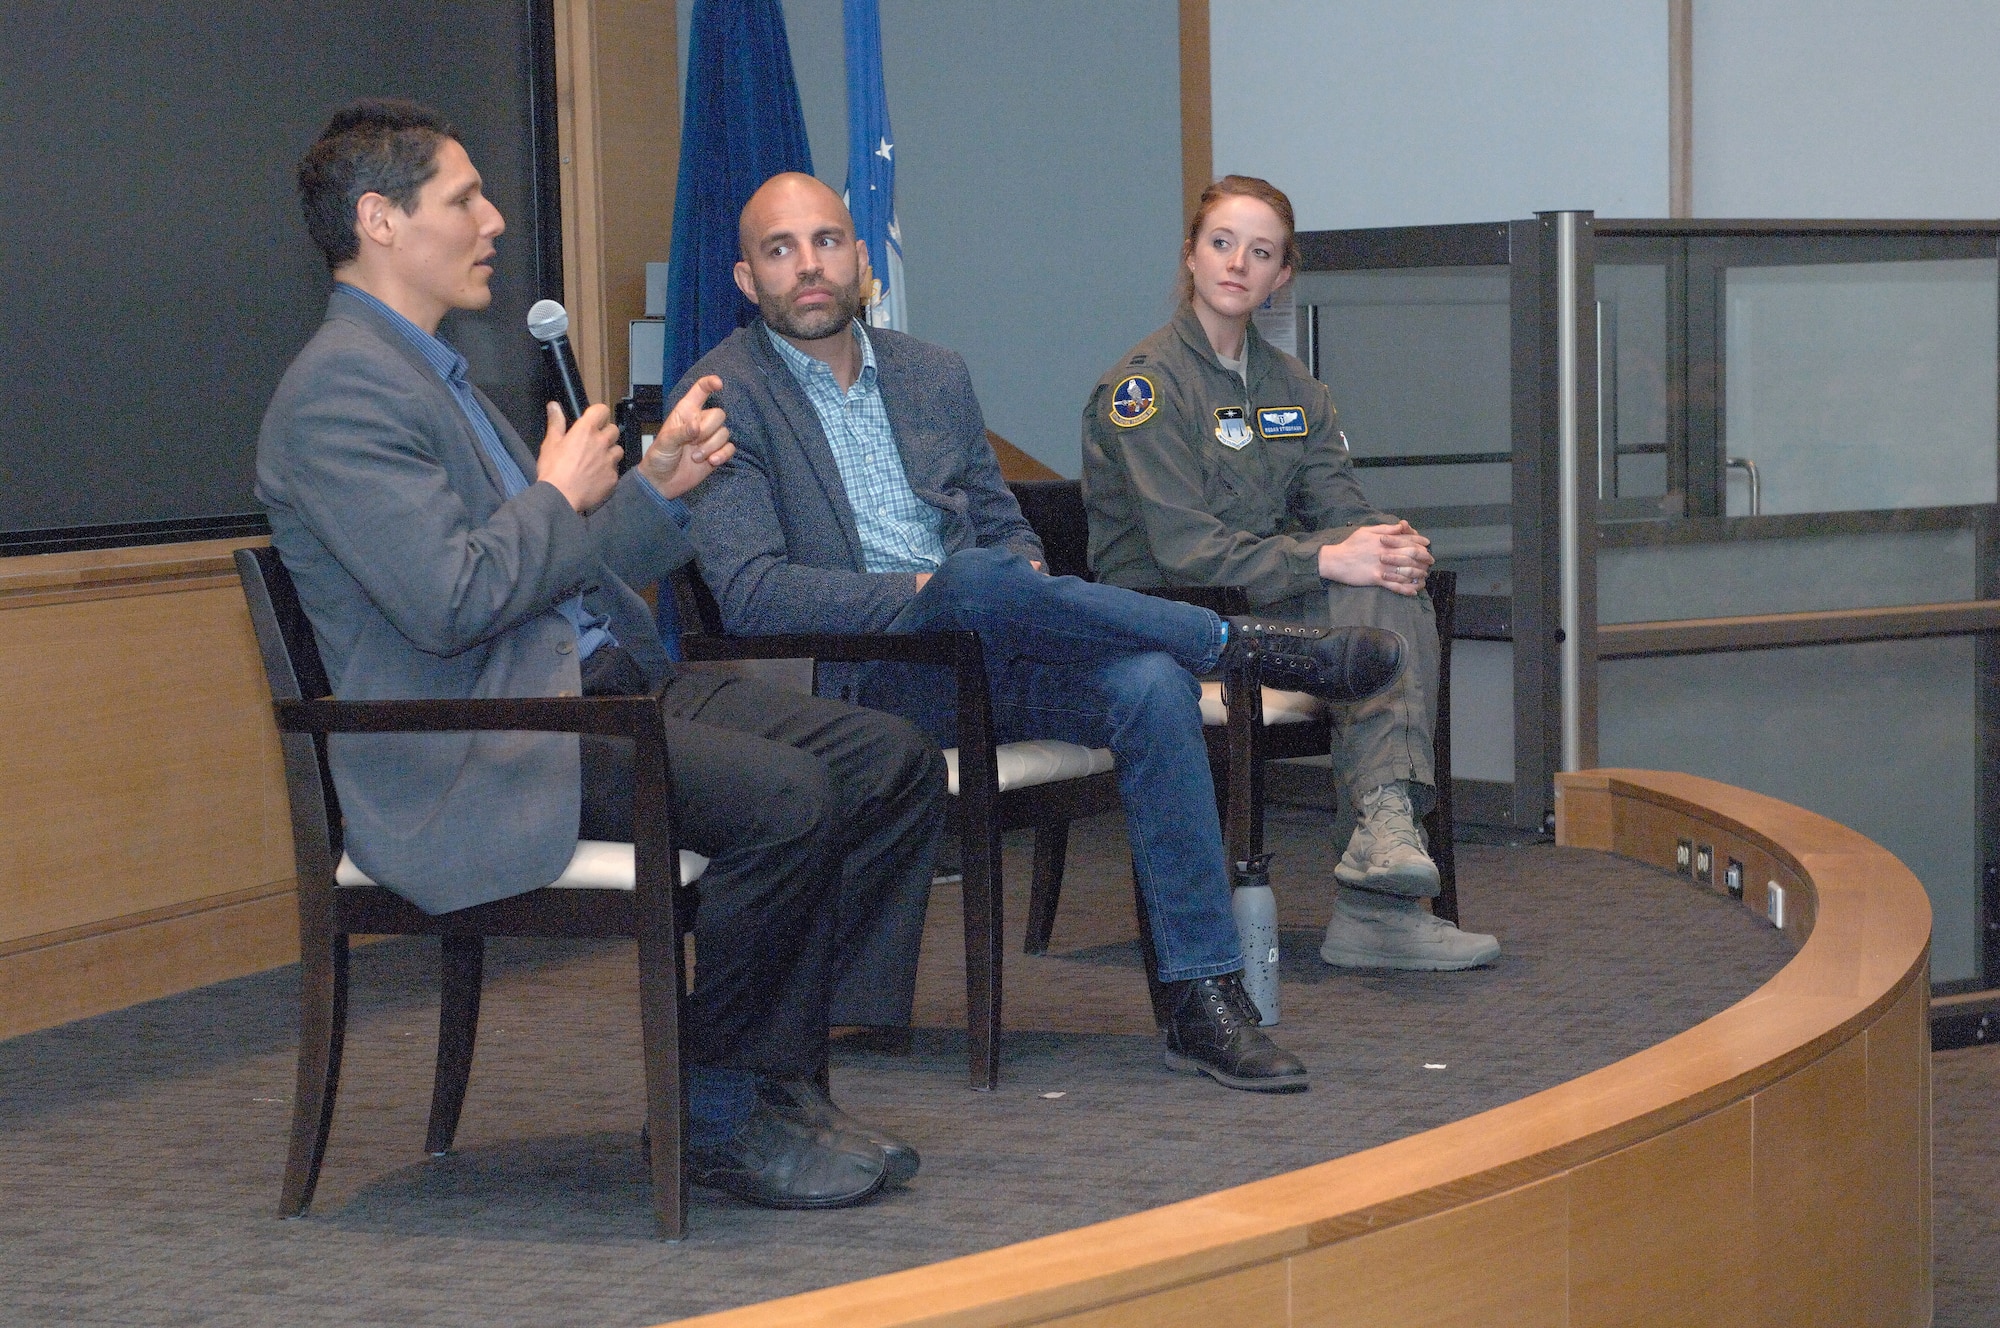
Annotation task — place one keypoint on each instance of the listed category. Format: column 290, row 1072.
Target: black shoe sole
column 750, row 1194
column 1277, row 1083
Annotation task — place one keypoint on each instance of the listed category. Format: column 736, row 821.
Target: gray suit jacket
column 421, row 581
column 773, row 528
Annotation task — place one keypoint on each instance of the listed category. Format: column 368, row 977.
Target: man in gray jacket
column 437, row 557
column 864, row 497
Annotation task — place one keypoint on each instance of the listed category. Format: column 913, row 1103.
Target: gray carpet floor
column 1965, row 1160
column 140, row 1152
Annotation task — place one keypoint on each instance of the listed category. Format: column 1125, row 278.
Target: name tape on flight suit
column 1282, row 421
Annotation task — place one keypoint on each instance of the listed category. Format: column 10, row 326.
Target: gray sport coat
column 773, row 528
column 421, row 581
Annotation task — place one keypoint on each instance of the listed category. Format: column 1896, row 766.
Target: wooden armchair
column 609, row 890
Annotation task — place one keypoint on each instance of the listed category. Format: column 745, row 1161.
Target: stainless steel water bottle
column 1256, row 912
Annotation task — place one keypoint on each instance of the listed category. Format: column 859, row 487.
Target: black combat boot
column 1340, row 664
column 1214, row 1032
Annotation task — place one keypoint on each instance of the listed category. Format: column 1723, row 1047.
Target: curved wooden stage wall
column 1769, row 1166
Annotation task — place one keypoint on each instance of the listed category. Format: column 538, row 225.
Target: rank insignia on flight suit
column 1281, row 422
column 1230, row 430
column 1132, row 402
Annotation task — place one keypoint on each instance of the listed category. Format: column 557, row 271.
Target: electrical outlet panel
column 1684, row 855
column 1704, row 863
column 1774, row 904
column 1732, row 879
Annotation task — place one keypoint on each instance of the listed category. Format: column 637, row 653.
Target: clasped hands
column 581, row 459
column 1394, row 557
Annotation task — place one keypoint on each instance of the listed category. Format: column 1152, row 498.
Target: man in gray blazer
column 864, row 497
column 437, row 557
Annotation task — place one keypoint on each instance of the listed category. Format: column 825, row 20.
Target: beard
column 811, row 324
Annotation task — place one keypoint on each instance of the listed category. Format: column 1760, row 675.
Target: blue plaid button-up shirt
column 900, row 532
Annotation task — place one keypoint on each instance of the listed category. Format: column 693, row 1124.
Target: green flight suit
column 1171, row 505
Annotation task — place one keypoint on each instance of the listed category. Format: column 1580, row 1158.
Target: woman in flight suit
column 1211, row 458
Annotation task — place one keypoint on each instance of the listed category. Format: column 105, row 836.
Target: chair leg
column 1051, row 852
column 322, row 1032
column 1438, row 824
column 983, row 923
column 662, row 984
column 1438, row 827
column 462, row 961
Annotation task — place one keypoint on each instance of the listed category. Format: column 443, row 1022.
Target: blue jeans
column 1104, row 667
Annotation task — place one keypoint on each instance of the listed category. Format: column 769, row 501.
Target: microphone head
column 548, row 320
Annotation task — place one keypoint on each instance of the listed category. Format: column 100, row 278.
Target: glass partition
column 1799, row 431
column 1806, row 572
column 1635, row 474
column 1878, row 736
column 1787, row 459
column 1860, row 386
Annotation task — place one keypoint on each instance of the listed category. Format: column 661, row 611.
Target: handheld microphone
column 548, row 323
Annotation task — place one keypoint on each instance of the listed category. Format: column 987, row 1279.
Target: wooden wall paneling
column 123, row 961
column 1896, row 1245
column 1256, row 1297
column 139, row 758
column 1661, row 1234
column 1680, row 108
column 1499, row 1261
column 1583, row 814
column 618, row 126
column 582, row 201
column 1015, row 464
column 1197, row 107
column 146, row 843
column 1812, row 1193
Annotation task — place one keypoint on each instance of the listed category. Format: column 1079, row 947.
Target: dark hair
column 1243, row 186
column 379, row 145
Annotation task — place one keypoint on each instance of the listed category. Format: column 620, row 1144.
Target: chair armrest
column 616, row 716
column 1224, row 600
column 958, row 651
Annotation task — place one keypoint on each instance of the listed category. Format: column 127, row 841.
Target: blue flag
column 741, row 125
column 871, row 163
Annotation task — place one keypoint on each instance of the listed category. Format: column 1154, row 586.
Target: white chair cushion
column 597, row 864
column 1279, row 707
column 1023, row 764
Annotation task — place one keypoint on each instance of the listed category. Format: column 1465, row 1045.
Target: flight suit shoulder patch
column 1133, row 401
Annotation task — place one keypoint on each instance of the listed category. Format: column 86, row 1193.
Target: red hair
column 1237, row 186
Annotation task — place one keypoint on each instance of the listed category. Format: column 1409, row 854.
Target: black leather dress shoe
column 1341, row 664
column 811, row 1101
column 779, row 1159
column 1214, row 1032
